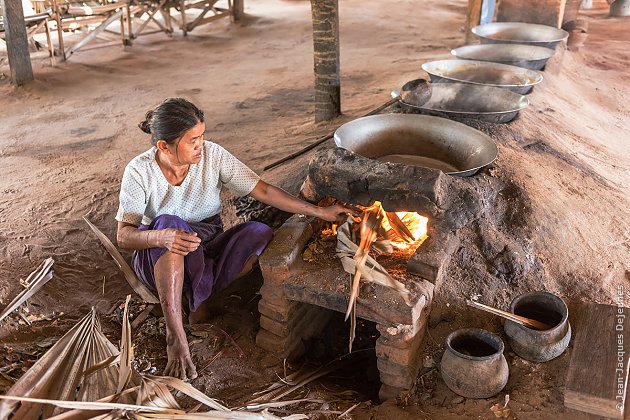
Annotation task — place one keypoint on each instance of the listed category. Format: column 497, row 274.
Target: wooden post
column 17, row 42
column 571, row 11
column 543, row 12
column 326, row 56
column 473, row 15
column 238, row 10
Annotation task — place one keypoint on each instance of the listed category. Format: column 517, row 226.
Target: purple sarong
column 214, row 265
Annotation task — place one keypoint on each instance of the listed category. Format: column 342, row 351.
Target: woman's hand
column 337, row 213
column 178, row 241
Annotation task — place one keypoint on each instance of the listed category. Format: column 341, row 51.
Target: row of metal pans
column 489, row 80
column 487, row 83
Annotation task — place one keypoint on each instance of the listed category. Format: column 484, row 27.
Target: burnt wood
column 325, row 14
column 598, row 372
column 17, row 42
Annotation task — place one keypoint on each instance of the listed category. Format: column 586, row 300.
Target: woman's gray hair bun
column 146, row 124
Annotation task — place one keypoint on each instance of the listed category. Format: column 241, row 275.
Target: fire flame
column 405, row 230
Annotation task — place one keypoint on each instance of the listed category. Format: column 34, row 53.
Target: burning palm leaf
column 376, row 227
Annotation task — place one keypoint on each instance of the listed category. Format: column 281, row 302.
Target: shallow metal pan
column 419, row 140
column 528, row 56
column 463, row 101
column 516, row 79
column 520, row 33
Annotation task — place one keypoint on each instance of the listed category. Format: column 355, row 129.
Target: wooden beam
column 17, row 42
column 597, row 375
column 543, row 12
column 473, row 15
column 238, row 9
column 325, row 15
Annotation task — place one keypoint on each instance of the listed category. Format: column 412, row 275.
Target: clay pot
column 473, row 364
column 577, row 30
column 620, row 8
column 537, row 345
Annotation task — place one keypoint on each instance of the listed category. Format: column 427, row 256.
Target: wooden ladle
column 528, row 322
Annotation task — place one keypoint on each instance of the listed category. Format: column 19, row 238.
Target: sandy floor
column 65, row 139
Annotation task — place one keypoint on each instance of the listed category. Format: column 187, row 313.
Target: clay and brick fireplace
column 295, row 291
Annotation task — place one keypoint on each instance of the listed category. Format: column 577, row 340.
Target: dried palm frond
column 278, row 404
column 89, row 405
column 189, row 390
column 131, row 277
column 126, row 350
column 33, row 283
column 371, row 219
column 58, row 374
column 218, row 415
column 371, row 271
column 295, row 381
column 78, row 414
column 155, row 394
column 356, row 260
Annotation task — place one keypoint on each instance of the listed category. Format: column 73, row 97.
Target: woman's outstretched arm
column 276, row 197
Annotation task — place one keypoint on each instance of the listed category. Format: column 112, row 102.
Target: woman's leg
column 166, row 272
column 234, row 254
column 169, row 281
column 236, row 250
column 203, row 314
column 249, row 266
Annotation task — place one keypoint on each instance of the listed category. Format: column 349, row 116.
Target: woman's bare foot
column 180, row 364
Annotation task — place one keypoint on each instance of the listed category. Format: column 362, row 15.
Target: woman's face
column 189, row 148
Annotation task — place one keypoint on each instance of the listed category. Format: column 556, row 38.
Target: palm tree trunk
column 326, row 56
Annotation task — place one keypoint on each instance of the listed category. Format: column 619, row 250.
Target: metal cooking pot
column 419, row 140
column 520, row 33
column 516, row 79
column 527, row 56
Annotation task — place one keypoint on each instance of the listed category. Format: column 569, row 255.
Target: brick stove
column 295, row 293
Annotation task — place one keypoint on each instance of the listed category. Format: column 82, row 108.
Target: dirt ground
column 66, row 138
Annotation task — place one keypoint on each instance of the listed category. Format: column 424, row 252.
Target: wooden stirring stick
column 528, row 322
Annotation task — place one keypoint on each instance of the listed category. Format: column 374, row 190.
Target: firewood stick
column 528, row 322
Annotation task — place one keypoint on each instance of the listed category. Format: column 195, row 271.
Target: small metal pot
column 537, row 345
column 473, row 364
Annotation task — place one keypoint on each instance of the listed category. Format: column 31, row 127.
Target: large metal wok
column 516, row 79
column 419, row 140
column 528, row 56
column 520, row 33
column 463, row 101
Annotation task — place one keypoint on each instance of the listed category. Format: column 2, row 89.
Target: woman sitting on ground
column 169, row 214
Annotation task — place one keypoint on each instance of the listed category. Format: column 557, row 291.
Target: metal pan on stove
column 419, row 140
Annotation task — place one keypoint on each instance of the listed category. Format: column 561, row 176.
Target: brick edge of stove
column 285, row 323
